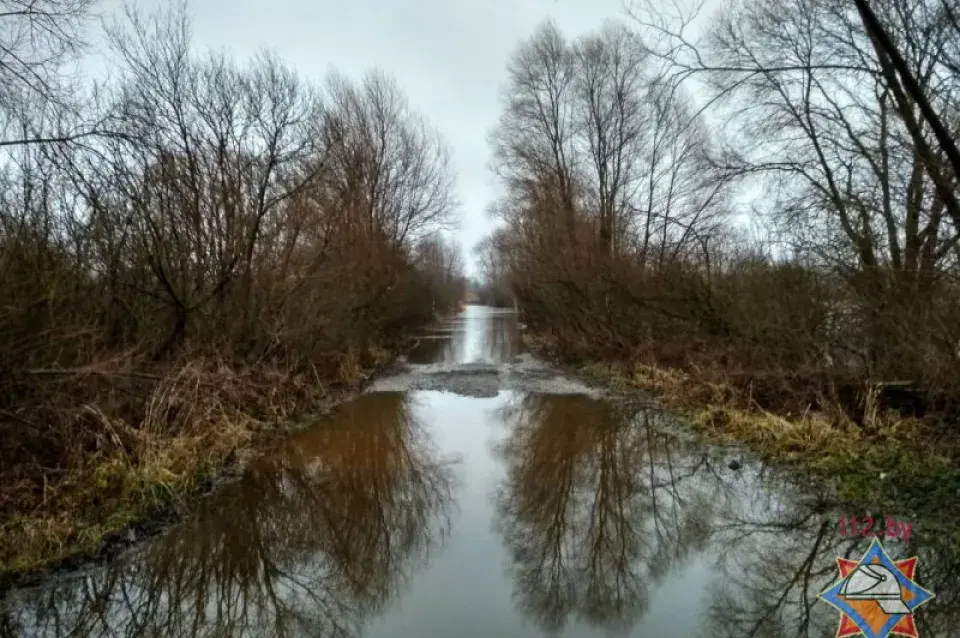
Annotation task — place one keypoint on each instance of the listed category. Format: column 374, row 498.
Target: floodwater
column 480, row 493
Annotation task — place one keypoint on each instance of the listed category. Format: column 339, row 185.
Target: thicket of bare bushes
column 195, row 237
column 623, row 194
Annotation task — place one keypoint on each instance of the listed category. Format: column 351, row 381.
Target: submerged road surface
column 478, row 492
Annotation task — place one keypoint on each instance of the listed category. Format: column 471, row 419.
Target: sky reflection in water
column 428, row 513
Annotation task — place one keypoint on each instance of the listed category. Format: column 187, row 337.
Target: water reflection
column 309, row 542
column 478, row 335
column 607, row 519
column 595, row 509
column 600, row 505
column 433, row 347
column 772, row 563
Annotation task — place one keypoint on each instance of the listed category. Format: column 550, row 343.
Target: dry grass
column 121, row 461
column 879, row 460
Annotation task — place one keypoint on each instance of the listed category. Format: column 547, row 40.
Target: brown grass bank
column 103, row 448
column 854, row 438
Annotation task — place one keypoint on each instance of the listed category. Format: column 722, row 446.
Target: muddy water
column 480, row 493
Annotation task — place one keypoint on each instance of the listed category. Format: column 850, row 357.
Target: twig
column 87, row 371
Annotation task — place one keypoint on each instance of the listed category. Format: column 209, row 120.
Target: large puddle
column 530, row 507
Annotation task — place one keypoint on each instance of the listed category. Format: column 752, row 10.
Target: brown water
column 421, row 513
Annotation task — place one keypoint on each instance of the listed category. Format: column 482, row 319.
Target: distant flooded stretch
column 480, row 493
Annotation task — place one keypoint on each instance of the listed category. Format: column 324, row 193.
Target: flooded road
column 480, row 493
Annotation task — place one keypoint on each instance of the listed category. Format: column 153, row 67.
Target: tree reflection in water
column 309, row 542
column 774, row 561
column 600, row 502
column 596, row 507
column 502, row 341
column 492, row 336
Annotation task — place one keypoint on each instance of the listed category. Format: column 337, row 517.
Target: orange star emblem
column 876, row 596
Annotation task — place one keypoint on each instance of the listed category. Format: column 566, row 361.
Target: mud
column 522, row 373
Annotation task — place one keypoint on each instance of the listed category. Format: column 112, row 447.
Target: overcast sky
column 449, row 56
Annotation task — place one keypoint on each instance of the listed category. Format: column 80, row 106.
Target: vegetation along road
column 258, row 378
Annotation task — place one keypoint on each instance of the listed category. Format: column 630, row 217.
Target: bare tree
column 210, row 151
column 38, row 38
column 606, row 173
column 535, row 139
column 857, row 182
column 401, row 168
column 897, row 70
column 609, row 91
